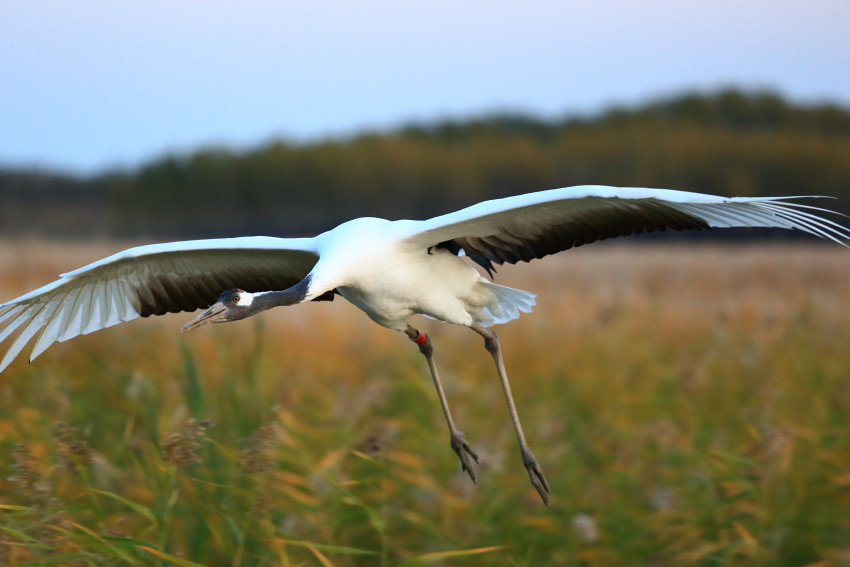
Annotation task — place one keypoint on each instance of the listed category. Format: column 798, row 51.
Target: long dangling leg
column 458, row 442
column 491, row 342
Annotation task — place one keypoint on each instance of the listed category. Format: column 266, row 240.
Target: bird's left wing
column 534, row 225
column 151, row 280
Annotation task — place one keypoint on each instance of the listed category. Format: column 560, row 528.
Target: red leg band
column 420, row 338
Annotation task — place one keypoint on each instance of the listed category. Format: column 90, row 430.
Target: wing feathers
column 8, row 314
column 832, row 229
column 69, row 308
column 77, row 324
column 21, row 340
column 553, row 233
column 532, row 226
column 19, row 316
column 50, row 333
column 769, row 213
column 150, row 280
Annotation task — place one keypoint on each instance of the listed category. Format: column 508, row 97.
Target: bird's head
column 232, row 305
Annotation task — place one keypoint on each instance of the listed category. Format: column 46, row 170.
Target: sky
column 91, row 85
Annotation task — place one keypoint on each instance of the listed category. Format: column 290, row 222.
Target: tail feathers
column 507, row 305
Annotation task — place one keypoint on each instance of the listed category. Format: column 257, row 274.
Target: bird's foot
column 464, row 452
column 535, row 473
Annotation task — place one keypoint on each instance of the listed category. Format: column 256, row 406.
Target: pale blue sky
column 92, row 84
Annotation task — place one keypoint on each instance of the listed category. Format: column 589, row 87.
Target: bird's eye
column 234, row 299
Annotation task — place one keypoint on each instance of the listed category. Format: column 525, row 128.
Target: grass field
column 690, row 405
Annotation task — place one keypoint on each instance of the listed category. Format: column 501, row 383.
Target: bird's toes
column 539, row 483
column 464, row 451
column 467, row 447
column 535, row 474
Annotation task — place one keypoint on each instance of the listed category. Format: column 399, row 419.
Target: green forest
column 729, row 143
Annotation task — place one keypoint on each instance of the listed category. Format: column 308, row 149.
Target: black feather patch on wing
column 483, row 261
column 515, row 242
column 327, row 296
column 196, row 282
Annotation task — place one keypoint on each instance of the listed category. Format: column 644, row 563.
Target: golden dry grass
column 688, row 403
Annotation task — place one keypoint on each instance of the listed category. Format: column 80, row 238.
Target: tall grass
column 689, row 405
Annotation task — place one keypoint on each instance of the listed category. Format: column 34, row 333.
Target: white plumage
column 389, row 269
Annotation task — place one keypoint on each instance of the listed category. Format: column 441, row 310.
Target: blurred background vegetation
column 688, row 408
column 729, row 142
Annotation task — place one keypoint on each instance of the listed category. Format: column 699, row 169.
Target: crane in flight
column 389, row 269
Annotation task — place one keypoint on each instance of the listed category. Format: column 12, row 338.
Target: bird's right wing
column 525, row 227
column 151, row 280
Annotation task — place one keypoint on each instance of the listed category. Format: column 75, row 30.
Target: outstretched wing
column 151, row 280
column 531, row 226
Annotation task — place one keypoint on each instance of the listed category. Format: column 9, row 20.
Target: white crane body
column 390, row 280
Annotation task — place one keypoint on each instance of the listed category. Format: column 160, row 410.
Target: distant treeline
column 728, row 143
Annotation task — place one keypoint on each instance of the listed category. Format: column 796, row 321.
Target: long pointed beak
column 211, row 315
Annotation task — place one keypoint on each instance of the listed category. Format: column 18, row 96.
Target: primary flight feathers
column 185, row 276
